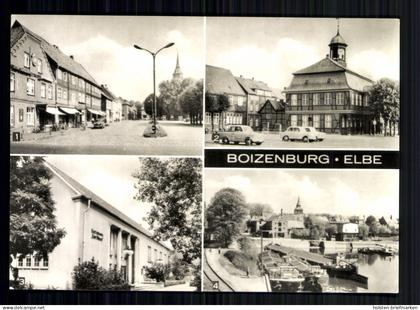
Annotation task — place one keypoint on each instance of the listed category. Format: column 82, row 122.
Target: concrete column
column 119, row 249
column 129, row 261
column 137, row 267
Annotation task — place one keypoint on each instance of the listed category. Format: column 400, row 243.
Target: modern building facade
column 329, row 96
column 48, row 89
column 220, row 81
column 94, row 230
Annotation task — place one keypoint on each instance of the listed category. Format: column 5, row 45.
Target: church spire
column 338, row 47
column 298, row 209
column 177, row 75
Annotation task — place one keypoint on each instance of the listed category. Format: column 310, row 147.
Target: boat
column 380, row 250
column 285, row 278
column 341, row 269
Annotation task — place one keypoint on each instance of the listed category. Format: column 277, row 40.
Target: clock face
column 341, row 53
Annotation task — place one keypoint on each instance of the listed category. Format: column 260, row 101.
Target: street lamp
column 154, row 128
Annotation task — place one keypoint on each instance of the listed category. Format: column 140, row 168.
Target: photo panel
column 301, row 230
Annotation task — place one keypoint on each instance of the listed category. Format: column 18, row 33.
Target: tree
column 382, row 221
column 259, row 209
column 169, row 93
column 33, row 224
column 384, row 101
column 316, row 226
column 216, row 104
column 148, row 106
column 363, row 231
column 331, row 230
column 370, row 220
column 174, row 188
column 157, row 271
column 225, row 215
column 191, row 102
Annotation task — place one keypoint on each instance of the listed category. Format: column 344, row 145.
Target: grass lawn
column 243, row 262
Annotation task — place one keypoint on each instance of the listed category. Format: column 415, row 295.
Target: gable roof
column 107, row 92
column 277, row 105
column 53, row 52
column 102, row 204
column 250, row 85
column 221, row 81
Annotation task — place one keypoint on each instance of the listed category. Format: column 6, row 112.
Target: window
column 73, row 80
column 28, row 261
column 49, row 92
column 155, row 255
column 12, row 116
column 256, row 122
column 65, row 94
column 293, row 120
column 36, row 261
column 39, row 65
column 30, row 116
column 88, row 88
column 294, row 99
column 304, row 99
column 12, row 82
column 43, row 90
column 149, row 254
column 59, row 74
column 26, row 60
column 73, row 97
column 65, row 76
column 316, row 120
column 240, row 101
column 160, row 255
column 59, row 93
column 328, row 98
column 45, row 262
column 327, row 120
column 304, row 120
column 81, row 83
column 316, row 99
column 20, row 262
column 21, row 115
column 30, row 87
column 340, row 98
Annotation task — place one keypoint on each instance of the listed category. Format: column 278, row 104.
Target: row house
column 48, row 88
column 94, row 229
column 109, row 105
column 220, row 81
column 257, row 93
column 329, row 96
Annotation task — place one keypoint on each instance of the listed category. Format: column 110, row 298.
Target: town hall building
column 329, row 96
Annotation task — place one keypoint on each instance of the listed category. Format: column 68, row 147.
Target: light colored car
column 238, row 134
column 306, row 134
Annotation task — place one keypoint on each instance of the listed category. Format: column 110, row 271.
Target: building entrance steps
column 238, row 283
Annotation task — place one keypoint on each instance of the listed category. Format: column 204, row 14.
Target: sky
column 104, row 46
column 271, row 49
column 341, row 192
column 109, row 177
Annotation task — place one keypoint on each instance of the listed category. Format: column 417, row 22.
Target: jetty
column 312, row 258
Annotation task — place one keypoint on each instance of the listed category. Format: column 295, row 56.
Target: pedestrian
column 219, row 250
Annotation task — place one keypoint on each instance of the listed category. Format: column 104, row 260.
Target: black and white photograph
column 106, row 85
column 287, row 83
column 105, row 223
column 326, row 231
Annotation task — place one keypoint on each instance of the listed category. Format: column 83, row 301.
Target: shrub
column 178, row 269
column 90, row 276
column 158, row 271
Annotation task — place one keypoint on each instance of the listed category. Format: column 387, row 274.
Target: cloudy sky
column 110, row 177
column 104, row 46
column 345, row 192
column 271, row 49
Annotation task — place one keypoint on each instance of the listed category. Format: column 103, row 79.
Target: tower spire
column 338, row 26
column 177, row 75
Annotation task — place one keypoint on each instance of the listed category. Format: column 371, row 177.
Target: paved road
column 332, row 141
column 122, row 138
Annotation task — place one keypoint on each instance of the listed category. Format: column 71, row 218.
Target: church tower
column 298, row 209
column 177, row 75
column 338, row 47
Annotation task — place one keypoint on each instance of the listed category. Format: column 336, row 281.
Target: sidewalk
column 238, row 283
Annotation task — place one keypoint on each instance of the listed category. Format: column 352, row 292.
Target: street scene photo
column 290, row 230
column 129, row 85
column 288, row 83
column 105, row 223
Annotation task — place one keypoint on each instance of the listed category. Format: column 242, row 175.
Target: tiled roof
column 63, row 61
column 277, row 105
column 221, row 81
column 250, row 85
column 107, row 92
column 99, row 202
column 324, row 65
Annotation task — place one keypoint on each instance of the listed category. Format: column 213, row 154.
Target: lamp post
column 154, row 128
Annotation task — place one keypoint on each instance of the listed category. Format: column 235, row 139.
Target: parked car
column 238, row 134
column 98, row 124
column 306, row 134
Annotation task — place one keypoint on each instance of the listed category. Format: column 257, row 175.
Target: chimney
column 55, row 46
column 281, row 212
column 71, row 56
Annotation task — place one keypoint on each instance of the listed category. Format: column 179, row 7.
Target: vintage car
column 303, row 133
column 238, row 134
column 98, row 124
